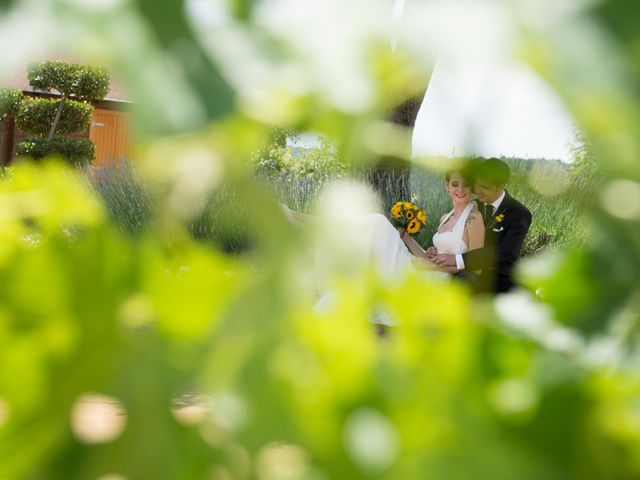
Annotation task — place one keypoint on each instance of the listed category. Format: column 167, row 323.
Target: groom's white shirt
column 496, row 204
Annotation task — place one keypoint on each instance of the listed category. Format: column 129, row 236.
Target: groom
column 506, row 224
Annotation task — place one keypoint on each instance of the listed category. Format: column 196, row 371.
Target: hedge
column 76, row 151
column 36, row 115
column 83, row 82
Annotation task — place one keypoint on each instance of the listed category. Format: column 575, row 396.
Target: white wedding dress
column 451, row 242
column 390, row 254
column 382, row 247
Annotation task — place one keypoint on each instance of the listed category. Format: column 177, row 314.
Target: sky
column 481, row 100
column 492, row 110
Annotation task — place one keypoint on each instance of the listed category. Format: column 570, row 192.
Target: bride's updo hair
column 467, row 172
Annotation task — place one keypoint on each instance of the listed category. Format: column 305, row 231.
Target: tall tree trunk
column 391, row 175
column 54, row 125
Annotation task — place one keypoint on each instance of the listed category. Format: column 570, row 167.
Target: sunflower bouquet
column 408, row 216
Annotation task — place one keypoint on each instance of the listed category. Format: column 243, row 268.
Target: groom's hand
column 445, row 260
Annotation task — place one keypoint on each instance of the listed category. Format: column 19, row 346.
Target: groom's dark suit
column 503, row 239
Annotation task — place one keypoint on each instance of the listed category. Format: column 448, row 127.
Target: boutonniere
column 496, row 223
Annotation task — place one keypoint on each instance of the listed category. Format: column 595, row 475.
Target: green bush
column 320, row 161
column 76, row 151
column 85, row 82
column 36, row 115
column 10, row 99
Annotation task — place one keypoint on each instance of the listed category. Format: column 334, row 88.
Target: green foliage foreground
column 190, row 371
column 151, row 356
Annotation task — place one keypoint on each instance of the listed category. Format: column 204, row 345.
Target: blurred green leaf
column 171, row 30
column 209, row 355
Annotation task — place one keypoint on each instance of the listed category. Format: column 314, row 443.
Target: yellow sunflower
column 396, row 210
column 499, row 218
column 409, row 214
column 414, row 226
column 422, row 216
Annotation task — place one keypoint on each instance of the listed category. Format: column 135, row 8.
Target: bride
column 460, row 230
column 392, row 251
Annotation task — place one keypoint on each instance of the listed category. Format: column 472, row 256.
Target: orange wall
column 110, row 131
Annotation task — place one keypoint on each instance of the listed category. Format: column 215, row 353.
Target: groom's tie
column 488, row 213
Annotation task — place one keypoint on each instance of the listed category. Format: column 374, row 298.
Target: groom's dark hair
column 494, row 171
column 467, row 171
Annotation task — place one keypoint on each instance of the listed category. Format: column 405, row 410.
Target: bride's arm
column 413, row 246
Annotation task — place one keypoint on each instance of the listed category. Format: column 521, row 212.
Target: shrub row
column 76, row 151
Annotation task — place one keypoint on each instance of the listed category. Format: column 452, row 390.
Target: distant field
column 556, row 199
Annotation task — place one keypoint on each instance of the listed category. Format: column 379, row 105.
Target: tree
column 277, row 159
column 407, row 94
column 393, row 170
column 48, row 120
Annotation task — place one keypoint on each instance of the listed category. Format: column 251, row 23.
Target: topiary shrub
column 71, row 80
column 71, row 113
column 36, row 115
column 76, row 151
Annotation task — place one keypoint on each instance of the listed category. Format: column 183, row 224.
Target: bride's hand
column 432, row 252
column 401, row 231
column 445, row 260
